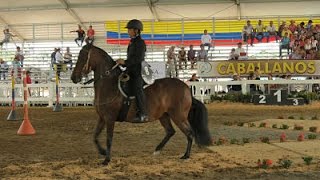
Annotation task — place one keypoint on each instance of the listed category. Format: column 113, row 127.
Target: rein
column 87, row 68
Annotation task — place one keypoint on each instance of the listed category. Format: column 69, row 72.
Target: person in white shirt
column 271, row 31
column 247, row 32
column 59, row 61
column 206, row 39
column 239, row 51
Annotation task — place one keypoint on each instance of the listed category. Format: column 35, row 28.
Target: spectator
column 3, row 69
column 192, row 56
column 202, row 54
column 284, row 44
column 233, row 55
column 281, row 27
column 7, row 36
column 206, row 39
column 309, row 25
column 59, row 61
column 314, row 43
column 271, row 31
column 19, row 57
column 235, row 88
column 286, row 30
column 182, row 57
column 292, row 26
column 53, row 57
column 240, row 51
column 28, row 80
column 90, row 35
column 194, row 78
column 312, row 55
column 171, row 62
column 247, row 32
column 81, row 35
column 68, row 57
column 307, row 45
column 259, row 31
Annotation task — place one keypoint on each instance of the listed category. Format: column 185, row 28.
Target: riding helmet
column 135, row 24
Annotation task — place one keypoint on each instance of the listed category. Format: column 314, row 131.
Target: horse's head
column 92, row 58
column 85, row 63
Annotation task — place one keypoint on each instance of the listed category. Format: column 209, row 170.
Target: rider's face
column 131, row 32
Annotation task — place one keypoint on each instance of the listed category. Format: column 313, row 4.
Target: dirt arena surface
column 63, row 148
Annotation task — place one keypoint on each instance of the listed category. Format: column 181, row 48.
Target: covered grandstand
column 42, row 26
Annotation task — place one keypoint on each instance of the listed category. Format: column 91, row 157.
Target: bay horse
column 168, row 99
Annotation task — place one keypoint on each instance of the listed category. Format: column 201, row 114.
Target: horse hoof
column 102, row 152
column 156, row 153
column 105, row 162
column 184, row 157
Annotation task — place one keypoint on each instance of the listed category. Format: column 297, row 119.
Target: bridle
column 87, row 68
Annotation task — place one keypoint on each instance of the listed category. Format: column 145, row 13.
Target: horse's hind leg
column 184, row 126
column 166, row 123
column 97, row 132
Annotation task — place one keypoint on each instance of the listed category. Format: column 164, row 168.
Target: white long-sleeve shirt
column 59, row 57
column 205, row 38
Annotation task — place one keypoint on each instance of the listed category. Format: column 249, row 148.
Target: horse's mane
column 104, row 54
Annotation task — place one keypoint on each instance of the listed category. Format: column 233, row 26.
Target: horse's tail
column 198, row 119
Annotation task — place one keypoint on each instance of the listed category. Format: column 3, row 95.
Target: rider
column 135, row 55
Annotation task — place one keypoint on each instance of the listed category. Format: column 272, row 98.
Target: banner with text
column 275, row 67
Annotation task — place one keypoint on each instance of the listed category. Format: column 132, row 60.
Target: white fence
column 75, row 94
column 203, row 90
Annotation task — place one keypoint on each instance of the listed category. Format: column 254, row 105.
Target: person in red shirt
column 90, row 35
column 28, row 78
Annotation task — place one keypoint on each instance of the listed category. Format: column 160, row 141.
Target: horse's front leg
column 99, row 128
column 110, row 126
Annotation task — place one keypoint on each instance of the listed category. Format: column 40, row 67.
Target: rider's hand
column 120, row 61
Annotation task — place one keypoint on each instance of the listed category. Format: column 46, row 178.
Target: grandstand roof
column 17, row 13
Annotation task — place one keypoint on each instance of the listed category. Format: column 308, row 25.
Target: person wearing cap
column 7, row 36
column 135, row 55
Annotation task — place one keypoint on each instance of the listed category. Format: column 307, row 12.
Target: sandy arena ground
column 63, row 148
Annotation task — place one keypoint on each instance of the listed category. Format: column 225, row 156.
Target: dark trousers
column 136, row 89
column 79, row 39
column 283, row 47
column 247, row 36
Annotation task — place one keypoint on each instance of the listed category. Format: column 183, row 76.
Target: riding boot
column 141, row 119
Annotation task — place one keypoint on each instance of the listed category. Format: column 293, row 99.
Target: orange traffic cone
column 26, row 127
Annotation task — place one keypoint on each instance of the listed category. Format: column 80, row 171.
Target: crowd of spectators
column 301, row 41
